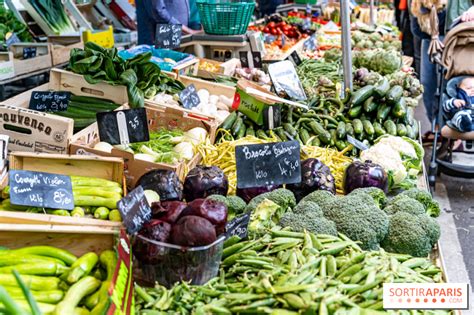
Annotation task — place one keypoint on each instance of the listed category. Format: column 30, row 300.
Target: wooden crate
column 94, row 166
column 158, row 117
column 186, row 68
column 24, row 66
column 7, row 69
column 224, row 68
column 61, row 47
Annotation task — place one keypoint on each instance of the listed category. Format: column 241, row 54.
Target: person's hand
column 459, row 103
column 190, row 31
column 468, row 15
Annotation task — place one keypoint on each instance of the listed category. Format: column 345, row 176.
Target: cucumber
column 341, row 145
column 368, row 127
column 229, row 121
column 409, row 119
column 304, row 136
column 394, row 94
column 241, row 132
column 323, row 134
column 355, row 111
column 370, row 105
column 410, row 133
column 401, row 130
column 250, row 131
column 236, row 126
column 399, row 110
column 261, row 134
column 379, row 131
column 349, row 129
column 359, row 96
column 341, row 130
column 93, row 106
column 383, row 112
column 416, row 129
column 390, row 127
column 333, row 137
column 280, row 133
column 358, row 127
column 90, row 99
column 382, row 88
column 316, row 142
column 290, row 129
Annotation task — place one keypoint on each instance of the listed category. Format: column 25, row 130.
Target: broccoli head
column 236, row 204
column 404, row 204
column 264, row 216
column 322, row 198
column 406, row 235
column 431, row 228
column 377, row 195
column 308, row 220
column 423, row 196
column 308, row 206
column 281, row 196
column 358, row 219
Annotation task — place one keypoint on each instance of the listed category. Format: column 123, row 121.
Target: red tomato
column 305, row 35
column 279, row 32
column 271, row 24
column 286, row 28
column 266, row 30
column 283, row 23
column 274, row 31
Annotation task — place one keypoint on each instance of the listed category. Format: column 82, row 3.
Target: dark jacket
column 152, row 12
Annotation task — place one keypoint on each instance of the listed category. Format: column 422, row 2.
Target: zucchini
column 48, row 251
column 37, row 269
column 379, row 131
column 290, row 129
column 75, row 294
column 50, row 296
column 383, row 112
column 236, row 126
column 323, row 134
column 358, row 127
column 34, row 282
column 250, row 131
column 333, row 137
column 394, row 94
column 399, row 110
column 229, row 121
column 90, row 99
column 341, row 130
column 82, row 267
column 359, row 96
column 349, row 129
column 390, row 127
column 241, row 132
column 368, row 128
column 370, row 105
column 401, row 130
column 355, row 111
column 93, row 106
column 304, row 136
column 382, row 88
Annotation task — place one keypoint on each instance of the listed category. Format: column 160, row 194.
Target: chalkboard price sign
column 29, row 52
column 41, row 190
column 168, row 36
column 250, row 59
column 123, row 126
column 135, row 210
column 189, row 97
column 296, row 58
column 49, row 101
column 238, row 226
column 268, row 164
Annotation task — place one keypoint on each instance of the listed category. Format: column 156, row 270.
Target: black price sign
column 295, row 58
column 250, row 59
column 189, row 97
column 135, row 210
column 356, row 143
column 268, row 164
column 238, row 226
column 49, row 101
column 29, row 52
column 123, row 126
column 168, row 36
column 41, row 190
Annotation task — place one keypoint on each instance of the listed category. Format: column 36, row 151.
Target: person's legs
column 428, row 79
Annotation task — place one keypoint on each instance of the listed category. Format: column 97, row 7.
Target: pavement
column 456, row 198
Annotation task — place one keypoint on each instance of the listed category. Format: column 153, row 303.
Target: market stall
column 272, row 167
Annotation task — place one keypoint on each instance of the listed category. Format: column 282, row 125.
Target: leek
column 53, row 13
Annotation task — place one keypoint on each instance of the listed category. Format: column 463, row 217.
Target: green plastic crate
column 306, row 1
column 225, row 17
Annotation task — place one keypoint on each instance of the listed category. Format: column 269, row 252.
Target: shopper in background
column 153, row 12
column 268, row 7
column 403, row 23
column 457, row 8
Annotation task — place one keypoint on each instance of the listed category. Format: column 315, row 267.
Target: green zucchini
column 304, row 136
column 379, row 131
column 355, row 111
column 383, row 112
column 399, row 110
column 90, row 99
column 290, row 129
column 250, row 131
column 241, row 132
column 236, row 126
column 394, row 94
column 382, row 88
column 323, row 134
column 37, row 269
column 333, row 137
column 34, row 282
column 368, row 127
column 349, row 129
column 401, row 130
column 341, row 130
column 50, row 296
column 93, row 106
column 390, row 127
column 370, row 105
column 75, row 294
column 48, row 251
column 358, row 127
column 359, row 96
column 229, row 121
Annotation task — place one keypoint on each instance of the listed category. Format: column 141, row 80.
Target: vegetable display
column 10, row 24
column 58, row 281
column 54, row 14
column 93, row 198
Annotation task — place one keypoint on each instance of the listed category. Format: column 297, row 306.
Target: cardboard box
column 61, row 47
column 164, row 117
column 79, row 242
column 7, row 69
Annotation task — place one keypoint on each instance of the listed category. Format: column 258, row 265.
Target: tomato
column 286, row 28
column 279, row 32
column 271, row 24
column 305, row 35
column 266, row 30
column 283, row 23
column 274, row 31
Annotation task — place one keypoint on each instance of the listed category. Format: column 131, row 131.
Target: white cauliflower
column 387, row 157
column 399, row 144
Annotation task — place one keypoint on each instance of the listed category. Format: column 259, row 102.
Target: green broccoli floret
column 322, row 198
column 377, row 195
column 359, row 219
column 406, row 235
column 431, row 227
column 308, row 220
column 281, row 196
column 236, row 204
column 308, row 206
column 219, row 198
column 264, row 216
column 404, row 204
column 423, row 196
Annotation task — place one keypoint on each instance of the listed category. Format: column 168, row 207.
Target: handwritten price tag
column 123, row 126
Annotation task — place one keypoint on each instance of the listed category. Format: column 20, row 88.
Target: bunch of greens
column 10, row 24
column 141, row 76
column 160, row 146
column 53, row 13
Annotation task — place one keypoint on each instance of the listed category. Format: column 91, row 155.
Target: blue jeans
column 428, row 79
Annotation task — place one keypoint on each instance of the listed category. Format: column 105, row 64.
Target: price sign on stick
column 134, row 210
column 123, row 126
column 356, row 143
column 189, row 97
column 268, row 164
column 41, row 190
column 168, row 36
column 49, row 101
column 238, row 226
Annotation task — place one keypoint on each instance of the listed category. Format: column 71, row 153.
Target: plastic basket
column 306, row 1
column 225, row 17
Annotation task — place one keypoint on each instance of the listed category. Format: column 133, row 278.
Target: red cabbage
column 193, row 231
